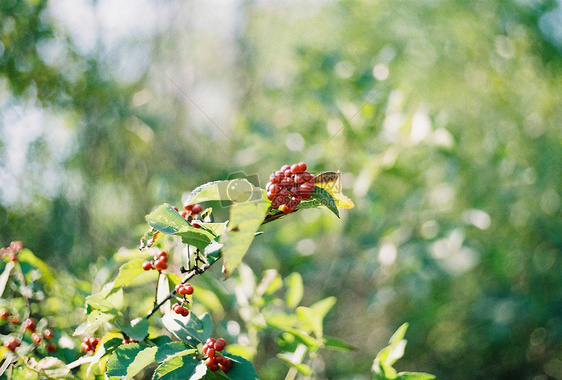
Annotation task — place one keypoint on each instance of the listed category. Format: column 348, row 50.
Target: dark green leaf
column 180, row 367
column 241, row 369
column 138, row 329
column 190, row 329
column 320, row 198
column 128, row 360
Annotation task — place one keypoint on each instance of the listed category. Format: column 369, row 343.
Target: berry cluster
column 288, row 186
column 190, row 211
column 160, row 262
column 11, row 251
column 28, row 326
column 183, row 290
column 215, row 360
column 89, row 344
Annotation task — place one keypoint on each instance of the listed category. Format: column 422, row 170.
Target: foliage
column 173, row 345
column 442, row 116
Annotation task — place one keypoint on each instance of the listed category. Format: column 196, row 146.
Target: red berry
column 196, row 209
column 48, row 334
column 211, row 352
column 184, row 214
column 226, row 364
column 160, row 264
column 29, row 325
column 177, row 288
column 163, row 254
column 284, row 208
column 13, row 257
column 220, row 344
column 85, row 347
column 51, row 347
column 147, row 265
column 188, row 207
column 184, row 311
column 213, row 366
column 4, row 314
column 285, row 167
column 12, row 343
column 188, row 289
column 210, row 342
column 196, row 224
column 36, row 338
column 175, row 208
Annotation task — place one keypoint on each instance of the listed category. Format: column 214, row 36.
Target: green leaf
column 295, row 289
column 5, row 276
column 213, row 251
column 47, row 274
column 180, row 367
column 166, row 219
column 241, row 369
column 189, row 329
column 313, row 316
column 95, row 320
column 382, row 365
column 320, row 198
column 128, row 272
column 108, row 300
column 302, row 368
column 168, row 350
column 338, row 344
column 128, row 360
column 236, row 190
column 245, row 219
column 196, row 237
column 414, row 376
column 138, row 329
column 311, row 343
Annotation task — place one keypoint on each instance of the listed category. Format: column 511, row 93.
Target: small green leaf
column 302, row 368
column 108, row 300
column 295, row 289
column 338, row 344
column 180, row 367
column 47, row 274
column 414, row 376
column 166, row 219
column 190, row 329
column 197, row 237
column 313, row 316
column 245, row 219
column 320, row 198
column 128, row 360
column 311, row 343
column 138, row 330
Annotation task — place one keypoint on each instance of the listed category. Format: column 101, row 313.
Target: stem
column 193, row 272
column 23, row 292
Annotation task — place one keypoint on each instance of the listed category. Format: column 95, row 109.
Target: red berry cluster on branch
column 191, row 211
column 90, row 344
column 11, row 251
column 160, row 262
column 180, row 309
column 28, row 326
column 215, row 360
column 288, row 186
column 183, row 290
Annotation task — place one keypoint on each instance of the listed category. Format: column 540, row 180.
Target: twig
column 193, row 272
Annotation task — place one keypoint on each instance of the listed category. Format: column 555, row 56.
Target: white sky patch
column 477, row 218
column 387, row 254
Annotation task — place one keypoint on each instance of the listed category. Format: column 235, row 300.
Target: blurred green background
column 444, row 117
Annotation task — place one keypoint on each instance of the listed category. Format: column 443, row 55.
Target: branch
column 192, row 273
